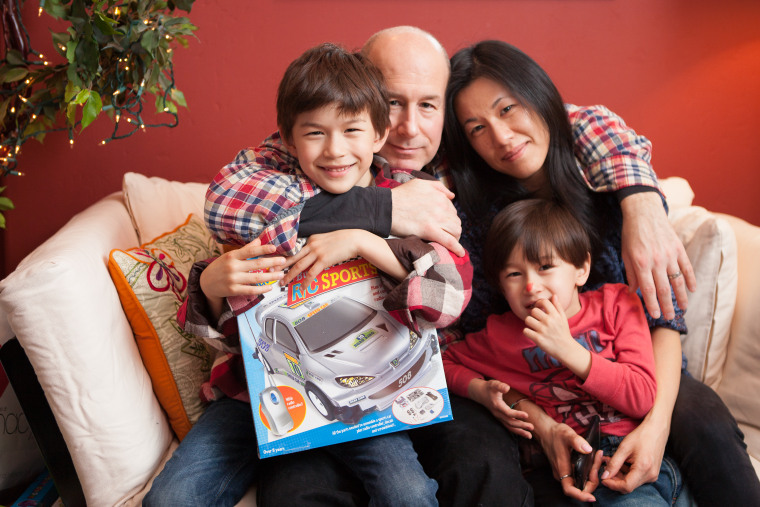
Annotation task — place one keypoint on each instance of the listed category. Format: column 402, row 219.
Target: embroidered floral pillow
column 152, row 282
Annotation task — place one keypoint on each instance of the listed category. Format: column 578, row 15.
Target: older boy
column 333, row 115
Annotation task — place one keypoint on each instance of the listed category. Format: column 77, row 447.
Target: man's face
column 416, row 82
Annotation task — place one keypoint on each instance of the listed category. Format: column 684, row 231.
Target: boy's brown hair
column 328, row 74
column 540, row 227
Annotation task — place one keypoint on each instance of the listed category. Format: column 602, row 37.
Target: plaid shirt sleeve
column 437, row 289
column 259, row 195
column 610, row 155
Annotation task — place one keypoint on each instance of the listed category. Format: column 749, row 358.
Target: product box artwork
column 325, row 363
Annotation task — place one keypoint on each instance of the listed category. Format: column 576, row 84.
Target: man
column 469, row 465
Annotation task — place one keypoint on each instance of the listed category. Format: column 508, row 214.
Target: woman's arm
column 644, row 447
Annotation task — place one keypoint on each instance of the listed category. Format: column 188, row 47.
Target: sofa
column 70, row 306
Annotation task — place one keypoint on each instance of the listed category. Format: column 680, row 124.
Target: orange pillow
column 152, row 283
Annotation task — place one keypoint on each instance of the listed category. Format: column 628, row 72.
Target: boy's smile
column 334, row 149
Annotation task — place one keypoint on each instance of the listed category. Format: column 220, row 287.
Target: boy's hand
column 547, row 327
column 322, row 251
column 490, row 394
column 237, row 271
column 423, row 208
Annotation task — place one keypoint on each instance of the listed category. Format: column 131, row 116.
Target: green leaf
column 104, row 24
column 15, row 74
column 71, row 114
column 3, row 111
column 14, row 57
column 5, row 204
column 71, row 49
column 71, row 90
column 82, row 97
column 149, row 40
column 55, row 8
column 185, row 5
column 178, row 97
column 92, row 109
column 2, row 221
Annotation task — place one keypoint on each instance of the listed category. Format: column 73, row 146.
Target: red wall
column 684, row 73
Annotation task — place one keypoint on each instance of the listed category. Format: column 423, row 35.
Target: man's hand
column 423, row 208
column 653, row 254
column 642, row 449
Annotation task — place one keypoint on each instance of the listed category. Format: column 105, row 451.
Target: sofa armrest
column 42, row 423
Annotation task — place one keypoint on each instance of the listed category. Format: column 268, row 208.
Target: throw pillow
column 152, row 282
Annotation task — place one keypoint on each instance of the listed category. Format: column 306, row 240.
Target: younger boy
column 575, row 355
column 333, row 116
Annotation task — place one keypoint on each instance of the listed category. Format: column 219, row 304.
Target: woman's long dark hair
column 478, row 186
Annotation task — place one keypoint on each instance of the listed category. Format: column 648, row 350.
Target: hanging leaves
column 115, row 54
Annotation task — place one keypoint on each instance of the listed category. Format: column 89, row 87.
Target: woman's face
column 509, row 137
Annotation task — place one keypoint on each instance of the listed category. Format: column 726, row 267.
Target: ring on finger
column 674, row 276
column 565, row 477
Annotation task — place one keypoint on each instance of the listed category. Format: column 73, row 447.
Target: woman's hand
column 558, row 440
column 490, row 394
column 637, row 459
column 653, row 254
column 237, row 272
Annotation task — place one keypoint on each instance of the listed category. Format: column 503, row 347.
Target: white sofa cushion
column 741, row 379
column 711, row 245
column 158, row 205
column 62, row 305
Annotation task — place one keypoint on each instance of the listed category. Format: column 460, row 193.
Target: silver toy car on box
column 350, row 358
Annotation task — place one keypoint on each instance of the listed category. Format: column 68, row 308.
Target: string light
column 114, row 85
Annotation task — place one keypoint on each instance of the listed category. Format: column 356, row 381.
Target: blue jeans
column 217, row 462
column 473, row 458
column 667, row 490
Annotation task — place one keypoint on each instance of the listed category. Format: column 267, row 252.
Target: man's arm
column 613, row 158
column 419, row 207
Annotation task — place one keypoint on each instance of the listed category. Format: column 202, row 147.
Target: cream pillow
column 62, row 305
column 158, row 205
column 741, row 381
column 711, row 245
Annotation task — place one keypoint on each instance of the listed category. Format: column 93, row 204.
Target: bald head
column 399, row 35
column 416, row 69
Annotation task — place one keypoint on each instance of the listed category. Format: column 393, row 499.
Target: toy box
column 325, row 363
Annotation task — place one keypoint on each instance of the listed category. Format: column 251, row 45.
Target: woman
column 508, row 137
